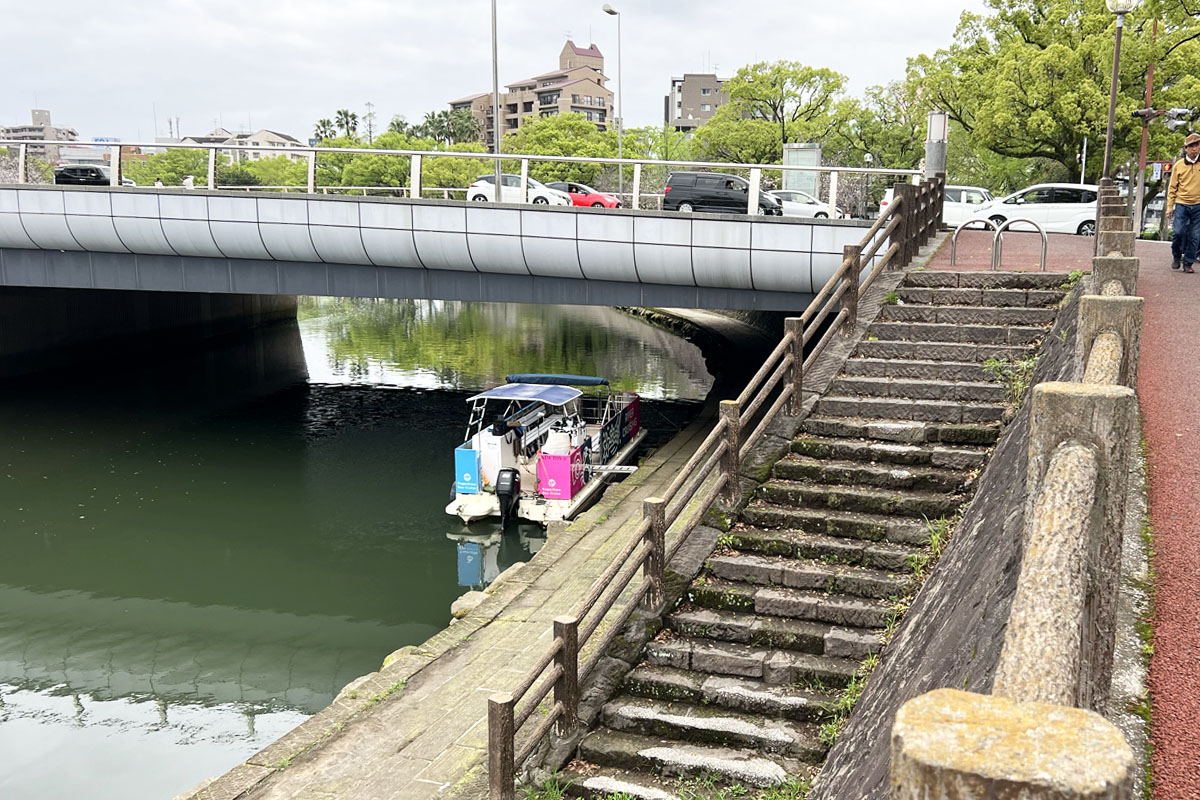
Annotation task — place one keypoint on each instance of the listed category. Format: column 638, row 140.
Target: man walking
column 1183, row 201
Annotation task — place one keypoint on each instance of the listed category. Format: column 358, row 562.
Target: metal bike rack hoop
column 998, row 241
column 954, row 238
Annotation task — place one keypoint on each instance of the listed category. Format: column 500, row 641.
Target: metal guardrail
column 415, row 188
column 998, row 240
column 711, row 473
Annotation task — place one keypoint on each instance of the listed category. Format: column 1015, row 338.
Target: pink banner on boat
column 560, row 477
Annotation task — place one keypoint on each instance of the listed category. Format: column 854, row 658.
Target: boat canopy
column 555, row 379
column 553, row 395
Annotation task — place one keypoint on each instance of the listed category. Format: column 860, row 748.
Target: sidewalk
column 1168, row 385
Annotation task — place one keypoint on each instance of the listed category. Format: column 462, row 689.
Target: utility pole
column 370, row 120
column 1141, row 181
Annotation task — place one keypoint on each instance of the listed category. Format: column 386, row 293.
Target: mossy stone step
column 982, row 391
column 961, row 457
column 744, row 694
column 890, row 476
column 903, row 430
column 956, row 332
column 847, row 524
column 900, row 408
column 1009, row 298
column 985, row 280
column 778, row 667
column 876, row 346
column 896, row 558
column 780, row 633
column 804, row 573
column 780, row 601
column 968, row 315
column 596, row 783
column 692, row 723
column 734, row 765
column 914, row 368
column 866, row 499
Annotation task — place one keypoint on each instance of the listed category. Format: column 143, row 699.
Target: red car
column 584, row 195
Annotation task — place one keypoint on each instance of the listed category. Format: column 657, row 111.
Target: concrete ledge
column 956, row 745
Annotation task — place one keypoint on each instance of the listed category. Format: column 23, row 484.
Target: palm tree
column 463, row 126
column 348, row 121
column 400, row 125
column 436, row 125
column 325, row 130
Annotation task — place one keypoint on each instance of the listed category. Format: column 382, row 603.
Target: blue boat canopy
column 553, row 395
column 555, row 379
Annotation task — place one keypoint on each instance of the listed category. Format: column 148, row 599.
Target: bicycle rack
column 954, row 239
column 998, row 241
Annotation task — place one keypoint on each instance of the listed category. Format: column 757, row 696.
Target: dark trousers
column 1185, row 239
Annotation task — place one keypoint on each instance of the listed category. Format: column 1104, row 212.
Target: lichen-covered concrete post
column 731, row 461
column 954, row 745
column 1100, row 417
column 1119, row 315
column 654, row 569
column 1115, row 220
column 1115, row 268
column 566, row 688
column 1119, row 243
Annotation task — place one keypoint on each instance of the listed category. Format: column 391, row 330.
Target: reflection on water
column 200, row 551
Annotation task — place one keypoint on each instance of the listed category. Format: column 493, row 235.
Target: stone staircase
column 755, row 659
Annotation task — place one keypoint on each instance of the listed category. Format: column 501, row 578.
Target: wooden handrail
column 908, row 221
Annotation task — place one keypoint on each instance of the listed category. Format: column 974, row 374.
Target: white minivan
column 1057, row 207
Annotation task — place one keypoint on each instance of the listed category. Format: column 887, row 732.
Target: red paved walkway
column 1169, row 394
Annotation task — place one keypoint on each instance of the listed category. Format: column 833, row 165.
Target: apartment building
column 577, row 86
column 273, row 144
column 40, row 131
column 693, row 100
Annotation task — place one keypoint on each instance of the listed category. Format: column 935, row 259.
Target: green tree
column 453, row 173
column 796, row 98
column 172, row 167
column 237, row 175
column 730, row 137
column 324, row 129
column 564, row 135
column 279, row 171
column 348, row 121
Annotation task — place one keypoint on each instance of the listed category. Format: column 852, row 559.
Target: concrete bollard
column 1119, row 243
column 954, row 745
column 1115, row 221
column 1119, row 268
column 1101, row 418
column 1119, row 315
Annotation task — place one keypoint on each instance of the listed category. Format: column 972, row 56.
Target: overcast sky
column 123, row 69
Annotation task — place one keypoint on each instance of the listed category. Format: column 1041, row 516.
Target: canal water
column 199, row 549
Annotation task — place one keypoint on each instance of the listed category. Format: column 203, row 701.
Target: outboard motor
column 508, row 492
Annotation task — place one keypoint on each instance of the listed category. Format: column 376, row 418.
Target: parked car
column 802, row 204
column 1057, row 207
column 483, row 190
column 715, row 192
column 960, row 202
column 86, row 175
column 583, row 195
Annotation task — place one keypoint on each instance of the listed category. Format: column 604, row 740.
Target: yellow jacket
column 1185, row 184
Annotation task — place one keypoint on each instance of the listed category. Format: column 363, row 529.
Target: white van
column 1056, row 207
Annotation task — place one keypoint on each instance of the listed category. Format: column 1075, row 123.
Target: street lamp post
column 1120, row 8
column 495, row 107
column 607, row 9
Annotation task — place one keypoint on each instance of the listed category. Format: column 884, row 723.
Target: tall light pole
column 607, row 9
column 1120, row 8
column 495, row 107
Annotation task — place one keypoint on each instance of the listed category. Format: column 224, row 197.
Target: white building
column 272, row 143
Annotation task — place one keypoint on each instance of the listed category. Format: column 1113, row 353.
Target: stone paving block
column 671, row 653
column 930, row 279
column 712, row 624
column 746, row 568
column 854, row 644
column 452, row 764
column 727, row 659
column 1002, row 297
column 233, row 784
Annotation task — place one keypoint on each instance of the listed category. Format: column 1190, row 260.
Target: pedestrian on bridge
column 1184, row 192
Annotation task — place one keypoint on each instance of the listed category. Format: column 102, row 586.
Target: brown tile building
column 693, row 100
column 577, row 86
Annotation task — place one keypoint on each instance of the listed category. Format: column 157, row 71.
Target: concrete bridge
column 221, row 242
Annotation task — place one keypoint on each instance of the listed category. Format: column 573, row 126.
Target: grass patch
column 1015, row 376
column 891, row 298
column 1073, row 277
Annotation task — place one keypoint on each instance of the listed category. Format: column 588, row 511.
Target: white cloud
column 108, row 70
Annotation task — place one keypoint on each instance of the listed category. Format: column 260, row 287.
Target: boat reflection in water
column 483, row 556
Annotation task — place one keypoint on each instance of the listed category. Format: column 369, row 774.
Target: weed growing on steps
column 1015, row 376
column 1073, row 277
column 832, row 728
column 891, row 298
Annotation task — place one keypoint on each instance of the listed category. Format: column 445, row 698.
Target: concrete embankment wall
column 43, row 329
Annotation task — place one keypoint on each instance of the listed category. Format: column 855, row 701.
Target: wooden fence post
column 566, row 688
column 851, row 253
column 731, row 461
column 907, row 230
column 654, row 570
column 940, row 199
column 502, row 775
column 794, row 327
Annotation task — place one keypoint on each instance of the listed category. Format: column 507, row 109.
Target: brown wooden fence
column 909, row 221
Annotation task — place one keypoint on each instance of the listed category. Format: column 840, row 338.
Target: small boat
column 541, row 449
